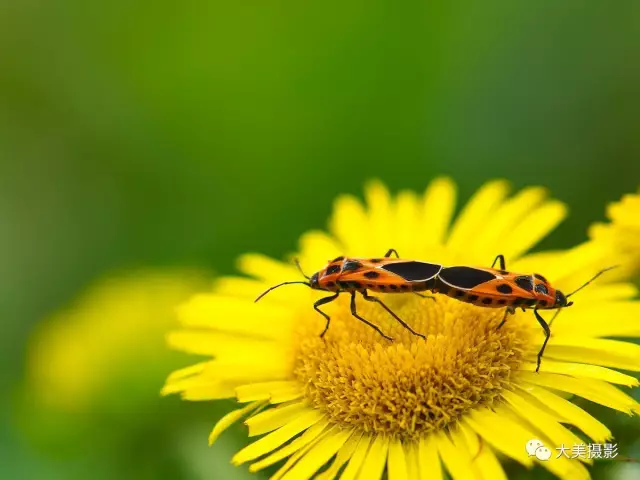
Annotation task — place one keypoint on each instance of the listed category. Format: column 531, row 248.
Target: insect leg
column 377, row 300
column 425, row 296
column 547, row 333
column 355, row 314
column 502, row 262
column 391, row 250
column 323, row 301
column 507, row 311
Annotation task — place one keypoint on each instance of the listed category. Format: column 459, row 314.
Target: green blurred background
column 160, row 134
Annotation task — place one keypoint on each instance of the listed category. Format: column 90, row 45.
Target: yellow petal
column 229, row 419
column 316, row 249
column 380, row 228
column 608, row 353
column 565, row 468
column 571, row 413
column 599, row 319
column 428, row 459
column 609, row 293
column 320, row 454
column 299, row 452
column 240, row 287
column 582, row 370
column 250, row 370
column 467, row 452
column 267, row 269
column 261, row 390
column 357, row 459
column 439, row 204
column 343, row 456
column 474, row 214
column 500, row 224
column 275, row 439
column 594, row 390
column 406, row 217
column 373, row 465
column 458, row 468
column 348, row 222
column 501, row 432
column 287, row 394
column 186, row 372
column 215, row 391
column 533, row 228
column 484, row 459
column 274, row 418
column 413, row 467
column 521, row 405
column 299, row 445
column 219, row 344
column 397, row 461
column 262, row 320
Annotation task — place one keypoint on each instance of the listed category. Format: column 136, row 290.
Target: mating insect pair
column 485, row 287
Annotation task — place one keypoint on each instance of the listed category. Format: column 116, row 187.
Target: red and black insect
column 353, row 275
column 492, row 288
column 485, row 287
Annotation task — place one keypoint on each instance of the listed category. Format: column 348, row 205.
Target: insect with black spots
column 493, row 288
column 484, row 287
column 358, row 275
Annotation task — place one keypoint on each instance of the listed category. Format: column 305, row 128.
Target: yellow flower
column 74, row 356
column 623, row 233
column 412, row 407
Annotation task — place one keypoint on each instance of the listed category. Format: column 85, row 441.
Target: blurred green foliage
column 161, row 134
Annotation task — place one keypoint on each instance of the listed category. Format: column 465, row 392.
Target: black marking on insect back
column 337, row 259
column 413, row 271
column 531, row 302
column 370, row 285
column 343, row 284
column 473, row 298
column 541, row 288
column 331, row 284
column 331, row 269
column 504, row 288
column 460, row 293
column 487, row 300
column 465, row 277
column 519, row 301
column 540, row 277
column 442, row 288
column 371, row 274
column 375, row 260
column 351, row 265
column 405, row 287
column 502, row 301
column 525, row 283
column 393, row 287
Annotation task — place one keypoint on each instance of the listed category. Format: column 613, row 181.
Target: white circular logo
column 543, row 453
column 532, row 446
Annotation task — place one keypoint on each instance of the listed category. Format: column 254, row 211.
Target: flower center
column 407, row 387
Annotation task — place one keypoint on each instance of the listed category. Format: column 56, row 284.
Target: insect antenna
column 297, row 262
column 580, row 288
column 592, row 279
column 279, row 285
